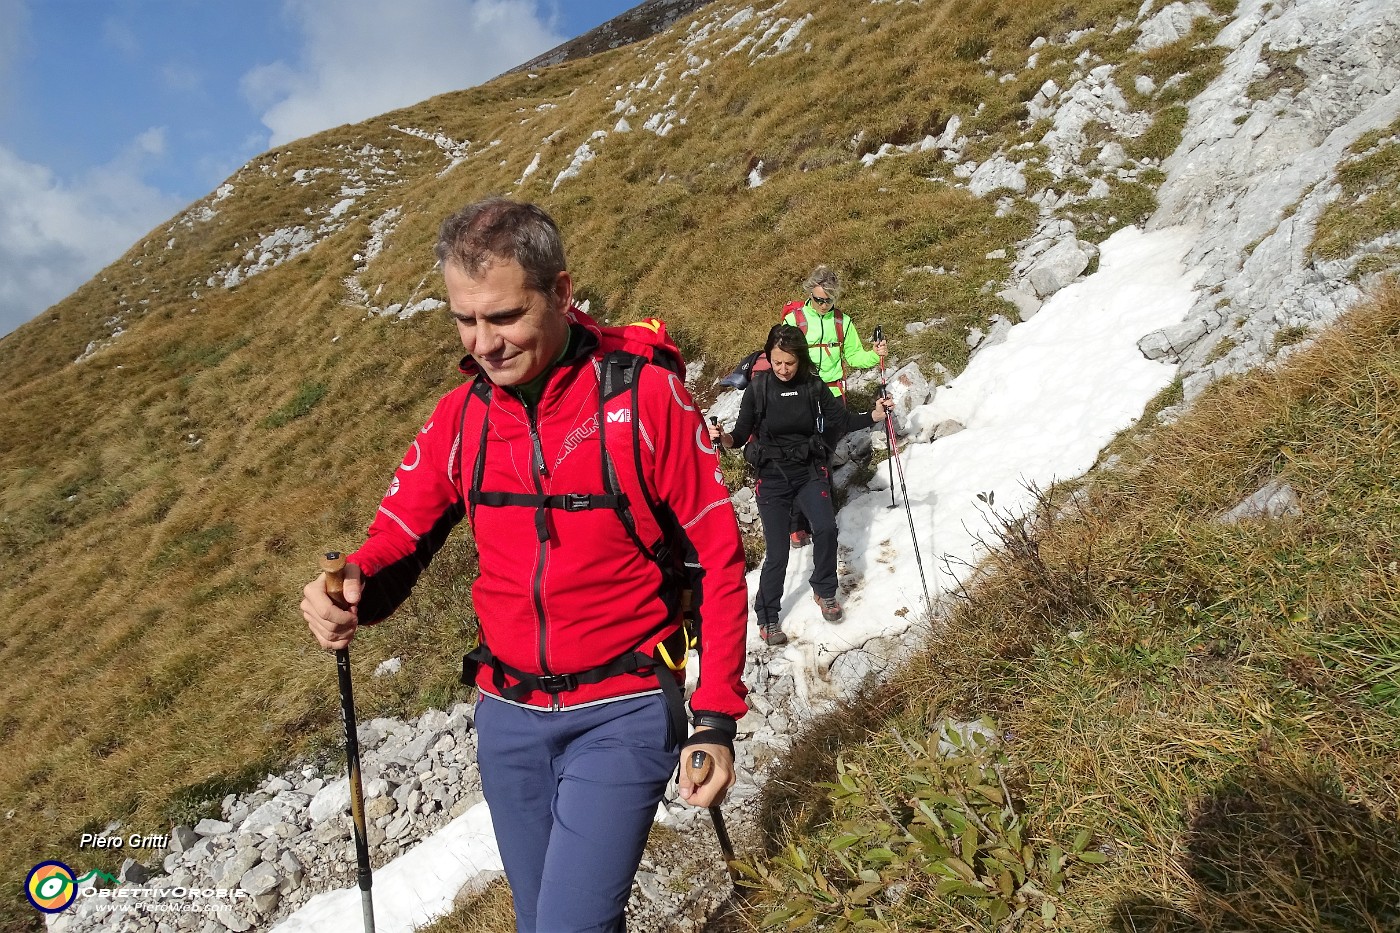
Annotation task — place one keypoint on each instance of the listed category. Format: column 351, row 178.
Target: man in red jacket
column 577, row 732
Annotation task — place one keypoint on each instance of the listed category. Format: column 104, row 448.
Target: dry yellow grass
column 487, row 912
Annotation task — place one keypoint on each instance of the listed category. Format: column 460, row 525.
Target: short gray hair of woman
column 501, row 229
column 825, row 276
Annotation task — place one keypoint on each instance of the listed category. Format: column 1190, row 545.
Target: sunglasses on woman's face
column 821, row 301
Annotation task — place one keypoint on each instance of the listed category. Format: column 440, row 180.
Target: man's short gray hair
column 501, row 229
column 825, row 276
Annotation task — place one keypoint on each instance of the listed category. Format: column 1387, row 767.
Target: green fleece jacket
column 821, row 338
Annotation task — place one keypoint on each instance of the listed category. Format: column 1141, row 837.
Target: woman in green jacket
column 832, row 337
column 834, row 343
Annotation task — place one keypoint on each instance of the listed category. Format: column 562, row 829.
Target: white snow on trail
column 1037, row 408
column 414, row 889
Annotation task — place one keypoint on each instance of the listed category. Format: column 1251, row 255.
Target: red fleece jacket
column 586, row 594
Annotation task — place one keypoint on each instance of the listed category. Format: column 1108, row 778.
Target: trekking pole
column 698, row 768
column 897, row 465
column 334, row 566
column 880, row 335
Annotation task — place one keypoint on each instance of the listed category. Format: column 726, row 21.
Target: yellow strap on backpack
column 682, row 641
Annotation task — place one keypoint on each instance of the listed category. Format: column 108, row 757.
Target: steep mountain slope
column 187, row 430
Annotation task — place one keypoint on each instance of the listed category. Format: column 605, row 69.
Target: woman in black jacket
column 789, row 422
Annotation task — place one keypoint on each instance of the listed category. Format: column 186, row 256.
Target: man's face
column 512, row 331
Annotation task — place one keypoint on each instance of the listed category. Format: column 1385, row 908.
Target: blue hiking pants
column 573, row 794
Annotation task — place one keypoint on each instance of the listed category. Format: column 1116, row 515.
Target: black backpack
column 749, row 367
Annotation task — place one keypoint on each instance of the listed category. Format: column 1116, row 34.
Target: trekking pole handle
column 699, row 766
column 719, row 441
column 876, row 337
column 333, row 566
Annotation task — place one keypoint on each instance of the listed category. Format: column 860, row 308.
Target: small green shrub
column 950, row 830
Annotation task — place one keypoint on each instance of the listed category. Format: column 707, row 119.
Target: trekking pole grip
column 699, row 766
column 333, row 566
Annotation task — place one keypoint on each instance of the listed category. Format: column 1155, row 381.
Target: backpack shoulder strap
column 473, row 426
column 813, row 387
column 839, row 317
column 619, row 377
column 760, row 399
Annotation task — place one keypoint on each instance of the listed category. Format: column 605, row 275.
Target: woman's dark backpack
column 750, row 366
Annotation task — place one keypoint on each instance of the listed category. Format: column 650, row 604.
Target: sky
column 117, row 114
column 1037, row 408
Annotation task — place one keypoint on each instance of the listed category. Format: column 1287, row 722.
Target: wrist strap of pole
column 709, row 737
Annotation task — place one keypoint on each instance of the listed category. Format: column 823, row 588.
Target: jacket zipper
column 537, row 588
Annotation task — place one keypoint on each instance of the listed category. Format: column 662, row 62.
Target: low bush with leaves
column 951, row 830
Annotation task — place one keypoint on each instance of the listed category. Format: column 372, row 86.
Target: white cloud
column 365, row 57
column 151, row 142
column 55, row 233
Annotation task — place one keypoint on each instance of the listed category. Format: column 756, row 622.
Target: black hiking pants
column 779, row 494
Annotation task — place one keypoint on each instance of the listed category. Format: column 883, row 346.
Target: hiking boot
column 801, row 538
column 772, row 634
column 831, row 610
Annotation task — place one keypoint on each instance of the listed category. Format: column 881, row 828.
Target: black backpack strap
column 621, row 373
column 754, row 457
column 633, row 661
column 482, row 390
column 569, row 502
column 761, row 398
